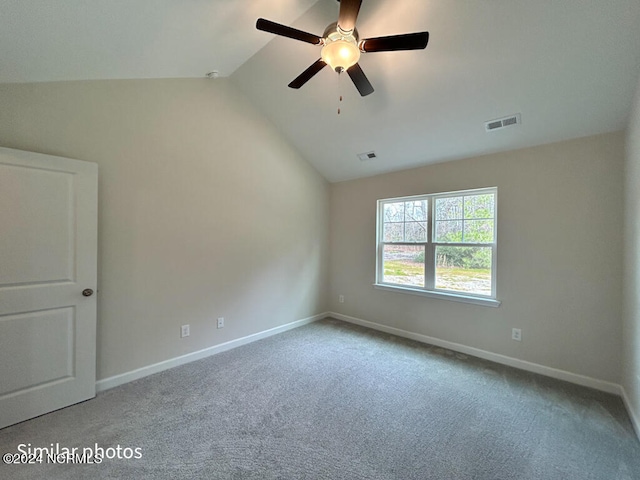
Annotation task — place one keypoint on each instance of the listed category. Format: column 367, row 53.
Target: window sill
column 487, row 302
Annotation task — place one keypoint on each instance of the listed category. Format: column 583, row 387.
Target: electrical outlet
column 516, row 334
column 184, row 331
column 341, row 298
column 220, row 322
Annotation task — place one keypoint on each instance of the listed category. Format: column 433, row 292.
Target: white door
column 48, row 255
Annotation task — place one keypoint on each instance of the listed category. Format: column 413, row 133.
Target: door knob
column 87, row 292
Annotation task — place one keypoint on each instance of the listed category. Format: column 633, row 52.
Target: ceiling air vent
column 367, row 156
column 502, row 122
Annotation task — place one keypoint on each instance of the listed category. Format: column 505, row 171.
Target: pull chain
column 339, row 91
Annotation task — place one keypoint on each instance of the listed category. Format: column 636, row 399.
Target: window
column 441, row 244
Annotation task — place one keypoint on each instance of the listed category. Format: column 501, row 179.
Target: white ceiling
column 569, row 67
column 51, row 40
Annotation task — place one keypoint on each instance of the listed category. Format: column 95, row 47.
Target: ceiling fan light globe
column 340, row 54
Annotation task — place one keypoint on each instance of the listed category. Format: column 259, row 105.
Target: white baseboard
column 633, row 415
column 583, row 380
column 123, row 378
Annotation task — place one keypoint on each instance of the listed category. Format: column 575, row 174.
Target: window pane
column 403, row 264
column 449, row 208
column 393, row 232
column 415, row 232
column 464, row 269
column 416, row 211
column 449, row 231
column 394, row 212
column 479, row 206
column 478, row 231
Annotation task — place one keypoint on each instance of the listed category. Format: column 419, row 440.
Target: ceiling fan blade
column 348, row 14
column 308, row 74
column 360, row 80
column 283, row 30
column 407, row 41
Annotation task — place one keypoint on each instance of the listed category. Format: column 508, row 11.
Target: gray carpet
column 335, row 401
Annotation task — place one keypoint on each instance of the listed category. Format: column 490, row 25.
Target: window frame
column 429, row 289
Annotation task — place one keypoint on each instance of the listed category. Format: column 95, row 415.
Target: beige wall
column 631, row 332
column 559, row 255
column 204, row 210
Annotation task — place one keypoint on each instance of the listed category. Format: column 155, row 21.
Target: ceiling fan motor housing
column 340, row 50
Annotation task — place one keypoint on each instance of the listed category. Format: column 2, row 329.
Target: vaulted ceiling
column 569, row 67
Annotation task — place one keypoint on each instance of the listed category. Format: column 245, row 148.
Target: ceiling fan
column 341, row 45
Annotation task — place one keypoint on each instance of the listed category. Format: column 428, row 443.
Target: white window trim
column 456, row 297
column 429, row 289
